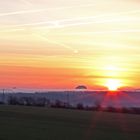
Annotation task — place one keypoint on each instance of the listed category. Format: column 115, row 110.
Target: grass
column 34, row 123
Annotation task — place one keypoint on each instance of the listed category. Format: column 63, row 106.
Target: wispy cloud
column 80, row 21
column 43, row 10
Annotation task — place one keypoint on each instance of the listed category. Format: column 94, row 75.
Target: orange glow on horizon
column 66, row 43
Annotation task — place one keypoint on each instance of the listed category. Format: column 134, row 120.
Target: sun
column 113, row 84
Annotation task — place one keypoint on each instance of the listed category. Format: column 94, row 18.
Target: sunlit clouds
column 86, row 42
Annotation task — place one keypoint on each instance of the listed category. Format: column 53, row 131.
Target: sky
column 60, row 44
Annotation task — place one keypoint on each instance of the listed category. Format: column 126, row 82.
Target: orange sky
column 62, row 43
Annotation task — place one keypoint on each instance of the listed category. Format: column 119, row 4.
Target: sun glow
column 63, row 43
column 113, row 84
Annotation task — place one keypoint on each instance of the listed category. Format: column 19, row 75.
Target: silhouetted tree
column 80, row 106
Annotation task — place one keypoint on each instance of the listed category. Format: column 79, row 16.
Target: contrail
column 57, row 43
column 77, row 21
column 56, row 24
column 42, row 10
column 99, row 32
column 61, row 24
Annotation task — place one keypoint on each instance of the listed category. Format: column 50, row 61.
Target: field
column 34, row 123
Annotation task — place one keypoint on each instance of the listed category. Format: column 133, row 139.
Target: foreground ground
column 32, row 123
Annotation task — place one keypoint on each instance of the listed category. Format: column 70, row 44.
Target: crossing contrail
column 56, row 24
column 56, row 42
column 75, row 21
column 42, row 10
column 60, row 24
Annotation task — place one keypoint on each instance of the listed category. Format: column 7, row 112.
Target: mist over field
column 118, row 99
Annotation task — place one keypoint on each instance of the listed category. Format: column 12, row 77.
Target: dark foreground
column 32, row 123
